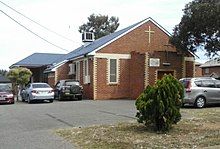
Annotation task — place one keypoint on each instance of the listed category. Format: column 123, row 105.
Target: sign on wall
column 154, row 62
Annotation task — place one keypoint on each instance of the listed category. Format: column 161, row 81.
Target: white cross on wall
column 149, row 31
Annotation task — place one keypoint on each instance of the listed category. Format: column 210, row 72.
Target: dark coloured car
column 70, row 89
column 6, row 95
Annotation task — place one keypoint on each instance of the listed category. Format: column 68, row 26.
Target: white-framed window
column 86, row 76
column 113, row 71
column 78, row 71
column 72, row 68
column 85, row 67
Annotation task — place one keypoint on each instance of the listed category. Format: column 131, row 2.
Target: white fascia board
column 82, row 56
column 112, row 55
column 58, row 65
column 141, row 23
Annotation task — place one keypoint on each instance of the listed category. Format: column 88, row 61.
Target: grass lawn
column 198, row 128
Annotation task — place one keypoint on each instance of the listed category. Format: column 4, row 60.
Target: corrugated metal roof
column 3, row 79
column 38, row 60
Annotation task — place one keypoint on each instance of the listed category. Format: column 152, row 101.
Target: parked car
column 37, row 92
column 6, row 95
column 68, row 89
column 201, row 91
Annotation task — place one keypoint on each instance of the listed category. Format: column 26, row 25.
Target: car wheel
column 200, row 102
column 51, row 100
column 80, row 97
column 22, row 99
column 29, row 100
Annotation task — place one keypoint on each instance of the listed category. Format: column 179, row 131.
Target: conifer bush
column 159, row 105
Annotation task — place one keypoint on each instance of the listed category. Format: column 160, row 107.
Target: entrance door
column 160, row 74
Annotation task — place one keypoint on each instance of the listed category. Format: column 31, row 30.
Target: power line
column 36, row 22
column 32, row 31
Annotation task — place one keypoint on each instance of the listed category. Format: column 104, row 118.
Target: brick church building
column 122, row 64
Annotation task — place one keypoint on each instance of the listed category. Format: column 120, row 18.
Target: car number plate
column 2, row 98
column 43, row 92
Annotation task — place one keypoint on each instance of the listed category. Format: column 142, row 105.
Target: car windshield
column 4, row 88
column 43, row 85
column 70, row 83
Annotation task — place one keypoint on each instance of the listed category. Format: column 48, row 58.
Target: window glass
column 69, row 83
column 43, row 85
column 217, row 83
column 208, row 83
column 198, row 83
column 78, row 71
column 58, row 85
column 4, row 87
column 185, row 82
column 113, row 70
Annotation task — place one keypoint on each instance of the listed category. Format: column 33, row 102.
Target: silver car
column 37, row 92
column 201, row 91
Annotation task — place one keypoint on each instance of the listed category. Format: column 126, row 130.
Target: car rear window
column 40, row 86
column 185, row 83
column 70, row 83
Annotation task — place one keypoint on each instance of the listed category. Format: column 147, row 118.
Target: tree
column 100, row 25
column 3, row 72
column 159, row 105
column 199, row 27
column 19, row 76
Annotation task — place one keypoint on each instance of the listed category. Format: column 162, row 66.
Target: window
column 86, row 67
column 206, row 70
column 72, row 68
column 208, row 83
column 78, row 71
column 217, row 83
column 113, row 71
column 198, row 83
column 86, row 77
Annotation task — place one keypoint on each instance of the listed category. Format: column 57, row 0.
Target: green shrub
column 159, row 105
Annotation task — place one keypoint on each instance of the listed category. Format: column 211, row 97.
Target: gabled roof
column 38, row 60
column 102, row 42
column 211, row 63
column 3, row 79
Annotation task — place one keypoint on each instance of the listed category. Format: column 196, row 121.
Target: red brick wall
column 198, row 71
column 211, row 70
column 136, row 71
column 88, row 88
column 137, row 40
column 51, row 81
column 63, row 72
column 173, row 58
column 189, row 69
column 112, row 91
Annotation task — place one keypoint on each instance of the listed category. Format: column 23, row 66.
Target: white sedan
column 37, row 92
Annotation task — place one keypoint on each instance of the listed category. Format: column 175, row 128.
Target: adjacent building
column 211, row 68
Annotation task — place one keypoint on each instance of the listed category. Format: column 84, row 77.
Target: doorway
column 160, row 73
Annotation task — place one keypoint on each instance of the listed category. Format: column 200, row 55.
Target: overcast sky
column 65, row 16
